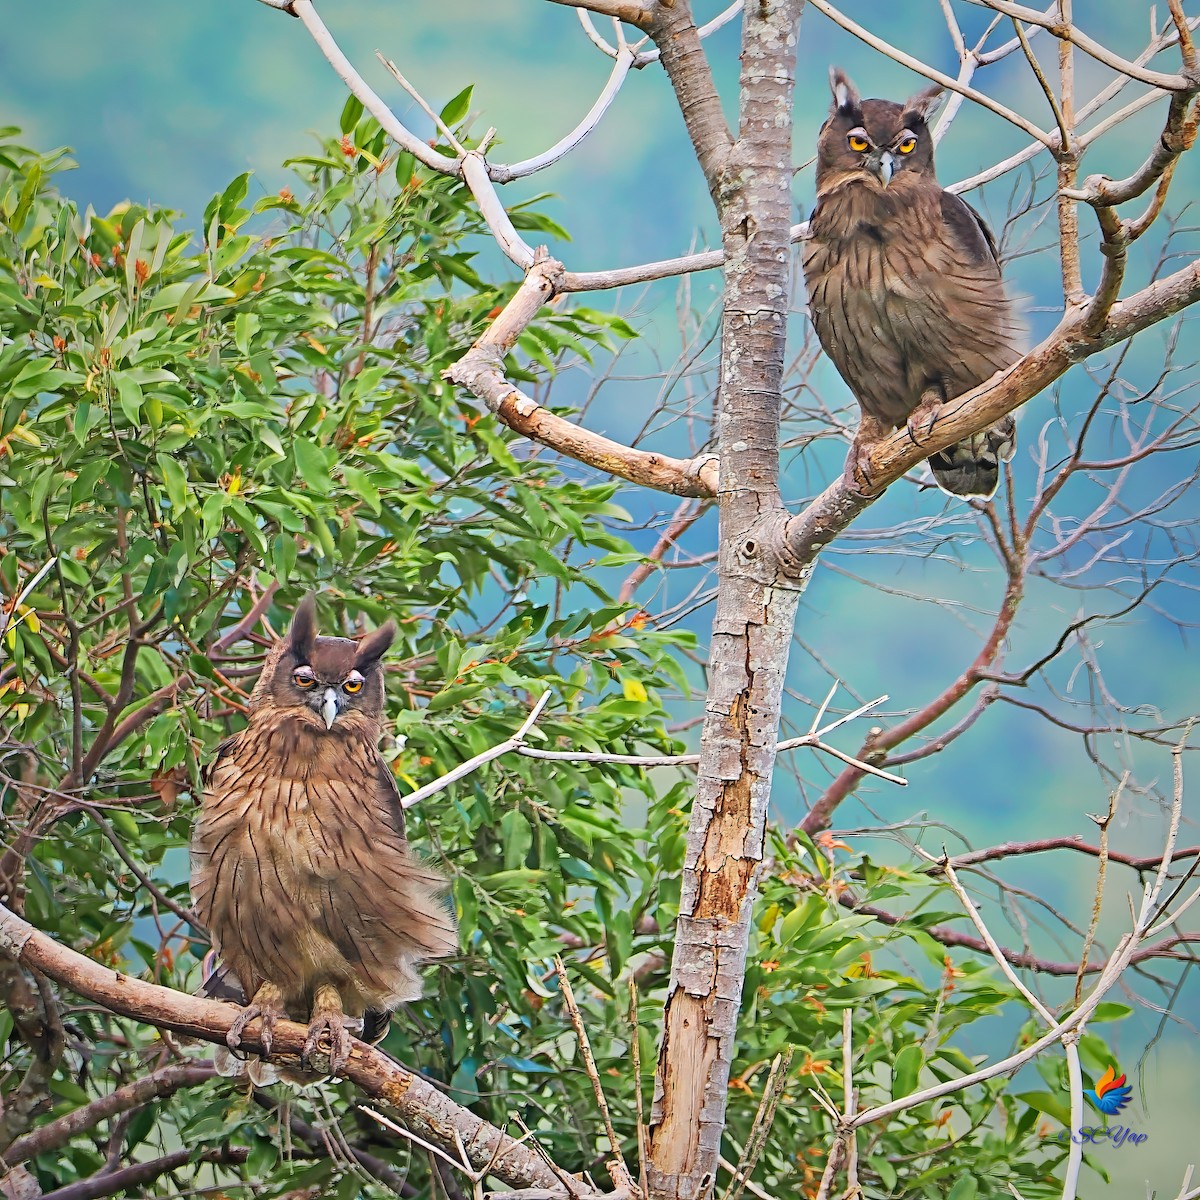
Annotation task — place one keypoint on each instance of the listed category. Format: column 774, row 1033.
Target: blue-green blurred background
column 165, row 103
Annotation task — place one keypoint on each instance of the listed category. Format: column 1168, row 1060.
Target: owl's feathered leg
column 267, row 1004
column 858, row 461
column 327, row 1024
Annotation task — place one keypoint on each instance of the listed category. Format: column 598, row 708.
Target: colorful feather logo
column 1112, row 1092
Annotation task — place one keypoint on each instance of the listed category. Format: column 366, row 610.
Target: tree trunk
column 752, row 632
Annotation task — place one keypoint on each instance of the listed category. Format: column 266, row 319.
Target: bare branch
column 646, row 57
column 473, row 764
column 419, row 1105
column 915, row 64
column 841, row 502
column 682, row 56
column 475, row 172
column 111, row 1183
column 760, row 1127
column 163, row 1082
column 406, row 139
column 1121, row 958
column 618, row 1170
column 528, row 166
column 623, row 10
column 481, row 371
column 1064, row 30
column 1067, row 155
column 239, row 630
column 1010, row 849
column 1101, row 879
column 685, row 516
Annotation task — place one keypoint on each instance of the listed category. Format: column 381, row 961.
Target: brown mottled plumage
column 904, row 283
column 300, row 867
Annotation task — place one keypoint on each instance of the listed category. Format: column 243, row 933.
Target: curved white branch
column 417, row 147
column 593, row 34
column 598, row 281
column 473, row 764
column 1148, row 912
column 1090, row 47
column 705, row 260
column 502, row 173
column 475, row 172
column 1098, row 101
column 641, row 60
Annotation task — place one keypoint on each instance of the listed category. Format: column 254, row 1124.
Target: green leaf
column 457, row 108
column 352, row 112
column 1056, row 1105
column 175, row 481
column 1109, row 1010
column 129, row 395
column 516, row 836
column 965, row 1189
column 313, row 464
column 906, row 1071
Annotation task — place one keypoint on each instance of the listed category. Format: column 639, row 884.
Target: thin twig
column 9, row 611
column 447, row 132
column 760, row 1127
column 636, row 1054
column 621, row 1176
column 387, row 1123
column 1101, row 877
column 849, row 1102
column 473, row 764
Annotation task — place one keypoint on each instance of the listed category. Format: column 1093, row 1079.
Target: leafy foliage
column 183, row 429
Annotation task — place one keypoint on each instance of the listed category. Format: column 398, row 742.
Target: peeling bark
column 757, row 600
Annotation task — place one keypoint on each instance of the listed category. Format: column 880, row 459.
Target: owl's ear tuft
column 845, row 94
column 374, row 646
column 923, row 105
column 302, row 633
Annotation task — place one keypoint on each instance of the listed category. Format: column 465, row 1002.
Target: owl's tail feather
column 972, row 467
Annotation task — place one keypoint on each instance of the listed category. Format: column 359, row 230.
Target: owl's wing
column 969, row 229
column 389, row 795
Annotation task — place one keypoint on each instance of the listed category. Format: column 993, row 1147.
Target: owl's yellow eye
column 857, row 143
column 352, row 685
column 303, row 677
column 908, row 145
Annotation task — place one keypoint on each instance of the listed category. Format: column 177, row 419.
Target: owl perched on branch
column 904, row 284
column 300, row 867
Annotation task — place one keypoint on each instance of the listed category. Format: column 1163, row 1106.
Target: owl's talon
column 858, row 468
column 328, row 1038
column 267, row 1005
column 922, row 419
column 328, row 1041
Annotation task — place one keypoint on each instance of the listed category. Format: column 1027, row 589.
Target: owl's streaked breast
column 898, row 304
column 298, row 871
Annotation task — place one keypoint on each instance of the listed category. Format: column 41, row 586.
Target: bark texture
column 753, row 626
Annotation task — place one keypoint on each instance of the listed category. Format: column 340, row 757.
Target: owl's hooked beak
column 329, row 707
column 881, row 164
